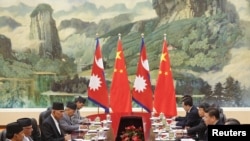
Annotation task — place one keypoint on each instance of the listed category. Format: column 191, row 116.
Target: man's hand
column 67, row 137
column 83, row 127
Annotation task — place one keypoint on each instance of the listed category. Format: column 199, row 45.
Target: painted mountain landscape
column 47, row 47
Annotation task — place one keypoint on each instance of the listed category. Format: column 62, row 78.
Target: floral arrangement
column 132, row 133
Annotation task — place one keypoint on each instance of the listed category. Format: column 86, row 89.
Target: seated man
column 198, row 131
column 66, row 123
column 77, row 118
column 192, row 117
column 14, row 132
column 51, row 131
column 212, row 117
column 27, row 128
column 222, row 114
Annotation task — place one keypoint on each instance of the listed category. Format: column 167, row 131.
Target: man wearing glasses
column 27, row 128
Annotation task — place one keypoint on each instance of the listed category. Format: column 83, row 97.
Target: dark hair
column 71, row 105
column 204, row 106
column 222, row 115
column 186, row 96
column 13, row 128
column 187, row 100
column 24, row 122
column 80, row 99
column 232, row 121
column 212, row 111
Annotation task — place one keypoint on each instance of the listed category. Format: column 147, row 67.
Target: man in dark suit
column 198, row 131
column 51, row 130
column 192, row 117
column 27, row 128
column 212, row 117
column 14, row 132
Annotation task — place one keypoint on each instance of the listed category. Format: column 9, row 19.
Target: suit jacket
column 199, row 130
column 77, row 118
column 191, row 119
column 219, row 122
column 50, row 132
column 67, row 125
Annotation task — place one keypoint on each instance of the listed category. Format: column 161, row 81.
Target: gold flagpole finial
column 142, row 35
column 165, row 36
column 119, row 35
column 97, row 35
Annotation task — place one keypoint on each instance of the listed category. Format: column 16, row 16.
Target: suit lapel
column 55, row 127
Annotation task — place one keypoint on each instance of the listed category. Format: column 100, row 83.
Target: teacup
column 87, row 136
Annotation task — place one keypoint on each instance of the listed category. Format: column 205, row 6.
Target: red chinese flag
column 142, row 90
column 164, row 95
column 97, row 89
column 120, row 97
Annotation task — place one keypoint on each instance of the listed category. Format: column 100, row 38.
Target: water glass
column 171, row 135
column 108, row 117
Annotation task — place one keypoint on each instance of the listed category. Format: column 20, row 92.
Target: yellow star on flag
column 160, row 72
column 163, row 57
column 166, row 73
column 118, row 55
column 121, row 70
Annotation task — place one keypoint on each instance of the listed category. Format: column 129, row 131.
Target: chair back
column 43, row 115
column 3, row 135
column 126, row 121
column 36, row 133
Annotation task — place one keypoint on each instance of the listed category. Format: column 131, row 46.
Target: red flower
column 132, row 133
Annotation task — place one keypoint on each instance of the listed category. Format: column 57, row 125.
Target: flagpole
column 97, row 91
column 120, row 87
column 98, row 109
column 142, row 36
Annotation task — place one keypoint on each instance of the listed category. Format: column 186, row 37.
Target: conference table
column 149, row 127
column 115, row 118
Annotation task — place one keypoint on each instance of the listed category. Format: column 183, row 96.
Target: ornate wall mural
column 47, row 47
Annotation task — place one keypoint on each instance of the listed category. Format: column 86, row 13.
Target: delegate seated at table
column 77, row 118
column 192, row 117
column 66, row 123
column 50, row 129
column 212, row 117
column 198, row 131
column 26, row 123
column 14, row 132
